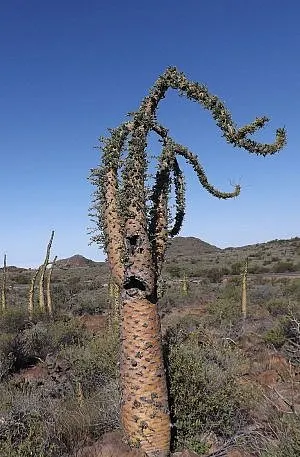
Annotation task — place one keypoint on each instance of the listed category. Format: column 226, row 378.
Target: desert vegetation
column 233, row 385
column 169, row 347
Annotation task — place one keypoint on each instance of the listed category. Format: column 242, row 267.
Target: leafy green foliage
column 277, row 335
column 283, row 267
column 7, row 356
column 33, row 421
column 288, row 429
column 13, row 319
column 205, row 394
column 94, row 363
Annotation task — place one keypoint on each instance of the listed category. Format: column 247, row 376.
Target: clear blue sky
column 71, row 69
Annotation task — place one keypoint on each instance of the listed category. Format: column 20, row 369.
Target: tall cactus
column 48, row 288
column 31, row 293
column 43, row 269
column 3, row 288
column 134, row 231
column 244, row 290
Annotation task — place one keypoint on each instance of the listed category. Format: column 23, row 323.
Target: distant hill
column 185, row 251
column 189, row 247
column 76, row 261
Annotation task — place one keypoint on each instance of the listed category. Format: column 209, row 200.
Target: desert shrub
column 42, row 338
column 275, row 259
column 231, row 291
column 258, row 269
column 89, row 302
column 13, row 319
column 88, row 417
column 94, row 284
column 174, row 270
column 283, row 267
column 216, row 274
column 267, row 262
column 286, row 439
column 67, row 332
column 21, row 278
column 293, row 288
column 227, row 307
column 277, row 335
column 33, row 343
column 263, row 292
column 95, row 363
column 175, row 297
column 74, row 285
column 59, row 295
column 291, row 347
column 205, row 395
column 180, row 328
column 277, row 307
column 27, row 427
column 7, row 357
column 32, row 423
column 236, row 268
column 223, row 311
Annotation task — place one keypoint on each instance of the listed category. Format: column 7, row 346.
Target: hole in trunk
column 133, row 283
column 133, row 240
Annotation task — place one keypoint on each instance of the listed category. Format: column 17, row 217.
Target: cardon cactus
column 133, row 227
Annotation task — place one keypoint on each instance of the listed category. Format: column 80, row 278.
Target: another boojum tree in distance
column 134, row 229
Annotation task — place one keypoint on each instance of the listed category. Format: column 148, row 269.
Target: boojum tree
column 133, row 226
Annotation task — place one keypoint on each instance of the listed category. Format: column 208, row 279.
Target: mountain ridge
column 187, row 247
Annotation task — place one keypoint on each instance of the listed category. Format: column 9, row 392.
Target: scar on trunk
column 134, row 244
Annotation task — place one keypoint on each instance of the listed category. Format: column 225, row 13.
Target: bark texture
column 145, row 412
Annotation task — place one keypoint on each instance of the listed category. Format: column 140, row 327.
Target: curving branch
column 158, row 226
column 128, row 211
column 199, row 93
column 179, row 184
column 192, row 159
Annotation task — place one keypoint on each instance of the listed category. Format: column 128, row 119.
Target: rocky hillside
column 76, row 261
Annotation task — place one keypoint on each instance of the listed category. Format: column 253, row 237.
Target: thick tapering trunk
column 144, row 410
column 113, row 228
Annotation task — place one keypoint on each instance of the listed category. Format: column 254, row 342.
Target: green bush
column 236, row 268
column 224, row 311
column 67, row 332
column 284, row 267
column 204, row 392
column 277, row 335
column 286, row 431
column 277, row 307
column 26, row 436
column 33, row 343
column 7, row 357
column 293, row 288
column 216, row 274
column 13, row 320
column 89, row 302
column 36, row 423
column 21, row 278
column 174, row 270
column 74, row 285
column 95, row 363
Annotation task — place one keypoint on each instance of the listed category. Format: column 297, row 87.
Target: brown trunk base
column 144, row 410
